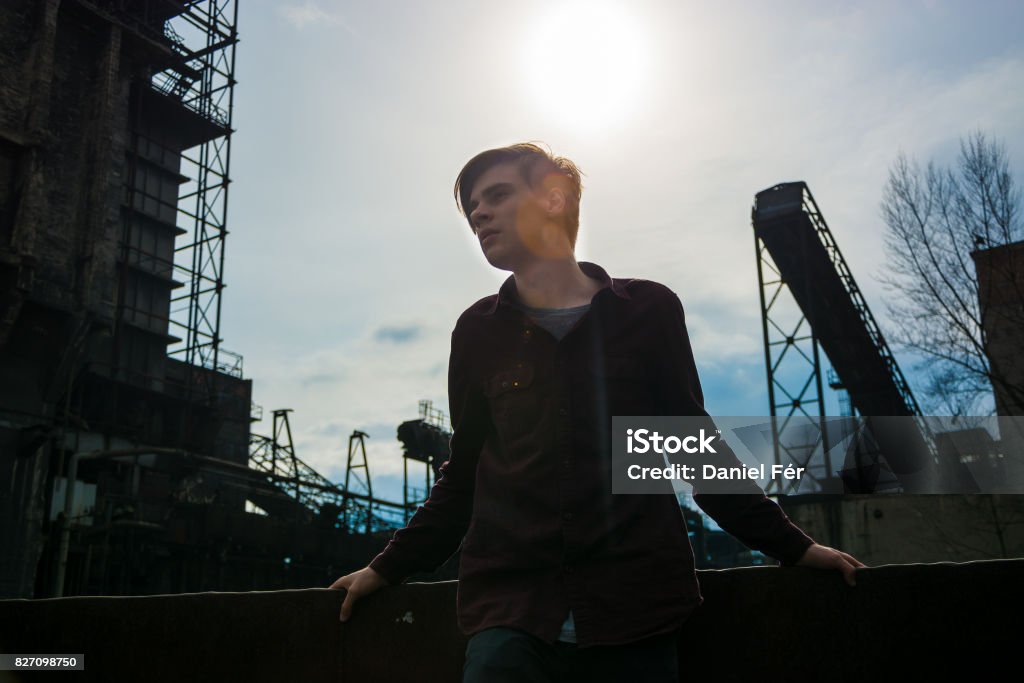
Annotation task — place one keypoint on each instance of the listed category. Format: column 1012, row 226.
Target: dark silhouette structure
column 115, row 148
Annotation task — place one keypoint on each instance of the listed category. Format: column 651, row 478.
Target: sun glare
column 588, row 63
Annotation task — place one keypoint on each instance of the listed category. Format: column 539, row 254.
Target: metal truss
column 203, row 36
column 311, row 492
column 828, row 241
column 793, row 363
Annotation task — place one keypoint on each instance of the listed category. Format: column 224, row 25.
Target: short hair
column 537, row 165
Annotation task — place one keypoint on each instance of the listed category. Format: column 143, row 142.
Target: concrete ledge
column 756, row 623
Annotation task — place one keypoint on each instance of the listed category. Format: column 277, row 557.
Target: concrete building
column 100, row 102
column 1000, row 272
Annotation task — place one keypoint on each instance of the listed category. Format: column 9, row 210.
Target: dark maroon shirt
column 527, row 489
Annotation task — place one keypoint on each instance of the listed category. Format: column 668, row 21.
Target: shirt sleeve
column 436, row 530
column 753, row 518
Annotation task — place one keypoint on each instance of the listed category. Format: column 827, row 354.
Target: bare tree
column 934, row 219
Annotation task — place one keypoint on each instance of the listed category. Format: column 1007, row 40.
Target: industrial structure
column 799, row 261
column 125, row 448
column 814, row 314
column 115, row 145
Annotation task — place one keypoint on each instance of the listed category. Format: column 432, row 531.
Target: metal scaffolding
column 204, row 36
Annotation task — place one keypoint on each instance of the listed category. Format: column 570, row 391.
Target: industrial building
column 115, row 148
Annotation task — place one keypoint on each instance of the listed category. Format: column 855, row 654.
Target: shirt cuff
column 391, row 569
column 793, row 549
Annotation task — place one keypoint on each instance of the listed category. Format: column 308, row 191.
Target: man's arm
column 753, row 518
column 435, row 531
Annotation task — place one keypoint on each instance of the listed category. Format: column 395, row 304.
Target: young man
column 558, row 576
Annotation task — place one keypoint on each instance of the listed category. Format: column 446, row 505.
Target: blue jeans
column 508, row 655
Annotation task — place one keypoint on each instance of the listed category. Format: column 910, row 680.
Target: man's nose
column 479, row 215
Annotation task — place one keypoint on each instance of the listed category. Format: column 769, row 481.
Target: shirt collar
column 507, row 293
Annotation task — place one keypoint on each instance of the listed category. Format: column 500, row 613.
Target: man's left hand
column 823, row 557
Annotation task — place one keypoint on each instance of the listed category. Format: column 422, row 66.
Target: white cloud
column 310, row 13
column 365, row 385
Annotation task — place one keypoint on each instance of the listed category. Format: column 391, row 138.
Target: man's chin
column 498, row 260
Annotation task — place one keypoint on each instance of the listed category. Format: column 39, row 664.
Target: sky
column 348, row 262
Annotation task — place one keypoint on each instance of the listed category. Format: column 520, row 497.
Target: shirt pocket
column 514, row 401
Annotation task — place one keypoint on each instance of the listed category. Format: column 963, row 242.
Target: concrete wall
column 889, row 529
column 1000, row 289
column 764, row 623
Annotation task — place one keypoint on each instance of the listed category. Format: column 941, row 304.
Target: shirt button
column 565, row 463
column 568, row 568
column 567, row 516
column 504, row 385
column 563, row 411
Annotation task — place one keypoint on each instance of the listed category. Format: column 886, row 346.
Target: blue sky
column 348, row 264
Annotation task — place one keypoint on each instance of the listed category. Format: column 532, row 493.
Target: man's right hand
column 357, row 584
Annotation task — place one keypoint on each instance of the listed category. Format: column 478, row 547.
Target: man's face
column 508, row 217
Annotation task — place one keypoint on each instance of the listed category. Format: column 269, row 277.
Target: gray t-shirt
column 557, row 321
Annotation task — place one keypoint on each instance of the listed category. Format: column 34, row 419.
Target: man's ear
column 554, row 200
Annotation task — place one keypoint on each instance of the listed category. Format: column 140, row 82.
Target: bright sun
column 588, row 63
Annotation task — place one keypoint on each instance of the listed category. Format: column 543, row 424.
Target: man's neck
column 554, row 284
